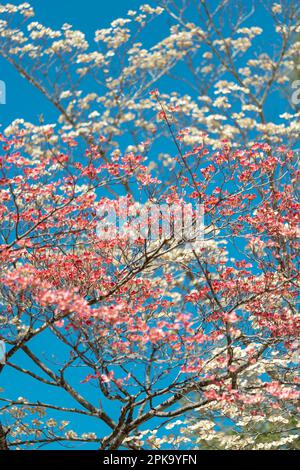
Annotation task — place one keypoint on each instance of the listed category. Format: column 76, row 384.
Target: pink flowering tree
column 139, row 334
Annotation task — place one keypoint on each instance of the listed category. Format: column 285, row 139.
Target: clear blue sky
column 24, row 101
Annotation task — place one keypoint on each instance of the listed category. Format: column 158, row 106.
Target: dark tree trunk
column 3, row 442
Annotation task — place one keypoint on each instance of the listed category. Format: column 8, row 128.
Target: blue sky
column 26, row 102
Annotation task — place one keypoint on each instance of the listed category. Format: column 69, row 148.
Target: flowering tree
column 140, row 334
